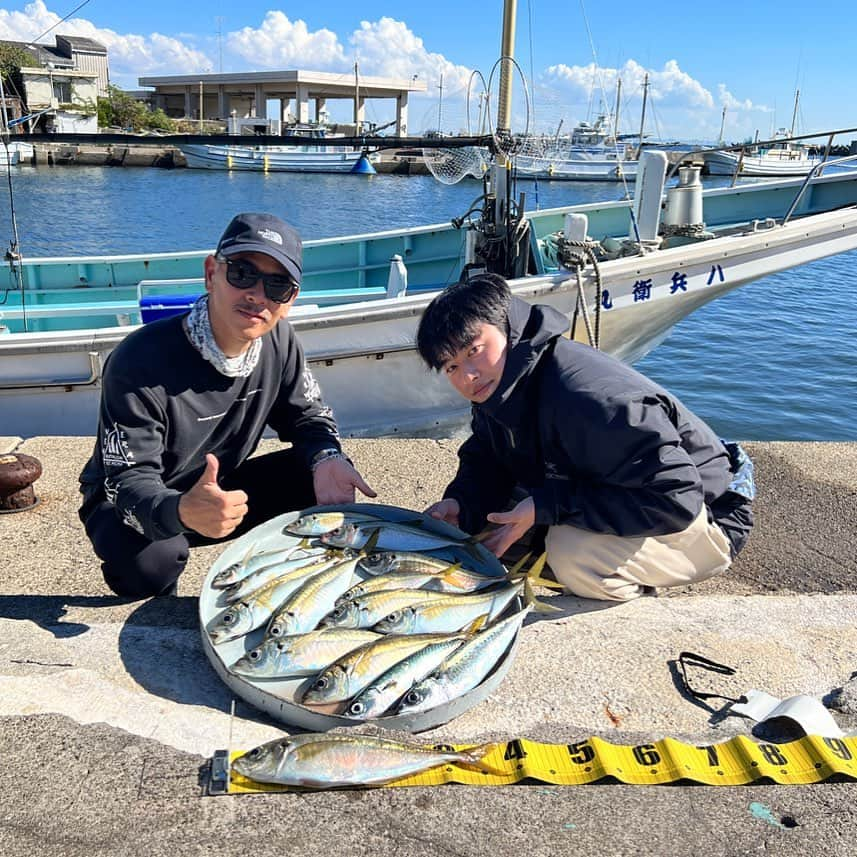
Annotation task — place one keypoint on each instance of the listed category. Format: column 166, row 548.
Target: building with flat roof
column 302, row 95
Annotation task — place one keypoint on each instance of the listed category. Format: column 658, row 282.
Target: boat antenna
column 13, row 254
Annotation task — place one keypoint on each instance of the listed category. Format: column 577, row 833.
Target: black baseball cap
column 264, row 233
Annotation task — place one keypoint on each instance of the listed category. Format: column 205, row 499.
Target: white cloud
column 281, row 43
column 731, row 103
column 129, row 55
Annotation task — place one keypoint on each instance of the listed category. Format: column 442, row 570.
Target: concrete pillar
column 402, row 115
column 320, row 107
column 303, row 103
column 222, row 102
column 259, row 107
column 188, row 107
column 160, row 101
column 359, row 113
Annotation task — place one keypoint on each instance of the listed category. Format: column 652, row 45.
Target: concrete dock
column 110, row 709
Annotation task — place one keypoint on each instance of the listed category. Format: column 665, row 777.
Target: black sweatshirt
column 163, row 407
column 595, row 443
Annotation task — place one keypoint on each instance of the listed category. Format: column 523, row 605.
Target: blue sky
column 698, row 57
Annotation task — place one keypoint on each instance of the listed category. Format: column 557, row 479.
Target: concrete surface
column 110, row 709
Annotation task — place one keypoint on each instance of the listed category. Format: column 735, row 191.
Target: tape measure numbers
column 738, row 761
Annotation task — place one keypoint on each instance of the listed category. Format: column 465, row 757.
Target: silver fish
column 385, row 691
column 465, row 669
column 237, row 571
column 304, row 609
column 245, row 616
column 368, row 610
column 336, row 761
column 301, row 654
column 452, row 613
column 383, row 562
column 293, row 569
column 392, row 536
column 354, row 672
column 319, row 523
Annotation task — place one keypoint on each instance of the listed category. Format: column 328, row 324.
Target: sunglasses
column 241, row 274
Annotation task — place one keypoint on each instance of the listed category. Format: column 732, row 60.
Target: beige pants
column 616, row 568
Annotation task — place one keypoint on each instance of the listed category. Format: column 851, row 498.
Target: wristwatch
column 325, row 455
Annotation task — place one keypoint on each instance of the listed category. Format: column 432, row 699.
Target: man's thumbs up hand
column 209, row 510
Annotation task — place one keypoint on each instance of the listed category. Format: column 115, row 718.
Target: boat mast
column 643, row 113
column 507, row 53
column 356, row 99
column 616, row 111
column 794, row 113
column 440, row 107
column 722, row 125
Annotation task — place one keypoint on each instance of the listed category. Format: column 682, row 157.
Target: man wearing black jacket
column 184, row 403
column 635, row 491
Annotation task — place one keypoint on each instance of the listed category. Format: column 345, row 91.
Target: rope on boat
column 575, row 255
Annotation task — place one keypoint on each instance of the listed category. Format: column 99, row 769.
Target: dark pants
column 135, row 567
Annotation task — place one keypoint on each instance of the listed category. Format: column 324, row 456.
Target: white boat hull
column 299, row 159
column 364, row 355
column 785, row 165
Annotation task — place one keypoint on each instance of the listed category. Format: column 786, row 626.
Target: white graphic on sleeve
column 114, row 448
column 111, row 491
column 312, row 392
column 130, row 520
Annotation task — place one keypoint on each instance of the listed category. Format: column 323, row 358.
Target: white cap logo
column 270, row 235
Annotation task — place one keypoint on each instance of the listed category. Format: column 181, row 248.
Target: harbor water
column 773, row 360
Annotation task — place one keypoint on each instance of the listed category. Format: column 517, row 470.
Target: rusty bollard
column 18, row 472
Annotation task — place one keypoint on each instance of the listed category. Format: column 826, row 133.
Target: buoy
column 363, row 166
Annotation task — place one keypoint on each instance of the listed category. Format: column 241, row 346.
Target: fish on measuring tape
column 386, row 690
column 293, row 570
column 319, row 523
column 349, row 675
column 300, row 654
column 338, row 761
column 464, row 669
column 394, row 536
column 367, row 610
column 255, row 609
column 251, row 561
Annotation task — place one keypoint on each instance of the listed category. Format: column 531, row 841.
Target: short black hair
column 452, row 320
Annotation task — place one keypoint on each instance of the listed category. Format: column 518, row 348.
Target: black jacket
column 595, row 443
column 163, row 407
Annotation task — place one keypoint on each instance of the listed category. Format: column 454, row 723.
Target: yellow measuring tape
column 734, row 762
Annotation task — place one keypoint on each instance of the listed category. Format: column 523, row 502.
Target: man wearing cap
column 184, row 403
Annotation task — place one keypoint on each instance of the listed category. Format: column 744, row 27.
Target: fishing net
column 450, row 166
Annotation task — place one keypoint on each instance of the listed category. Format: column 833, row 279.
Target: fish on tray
column 319, row 523
column 464, row 669
column 300, row 654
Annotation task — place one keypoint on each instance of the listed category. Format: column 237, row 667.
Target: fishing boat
column 624, row 273
column 362, row 296
column 780, row 158
column 307, row 156
column 589, row 153
column 784, row 155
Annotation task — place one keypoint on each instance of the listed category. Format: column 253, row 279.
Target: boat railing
column 741, row 148
column 816, row 171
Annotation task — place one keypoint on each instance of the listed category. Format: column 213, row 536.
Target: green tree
column 12, row 59
column 121, row 110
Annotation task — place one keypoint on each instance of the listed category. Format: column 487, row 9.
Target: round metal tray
column 277, row 697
